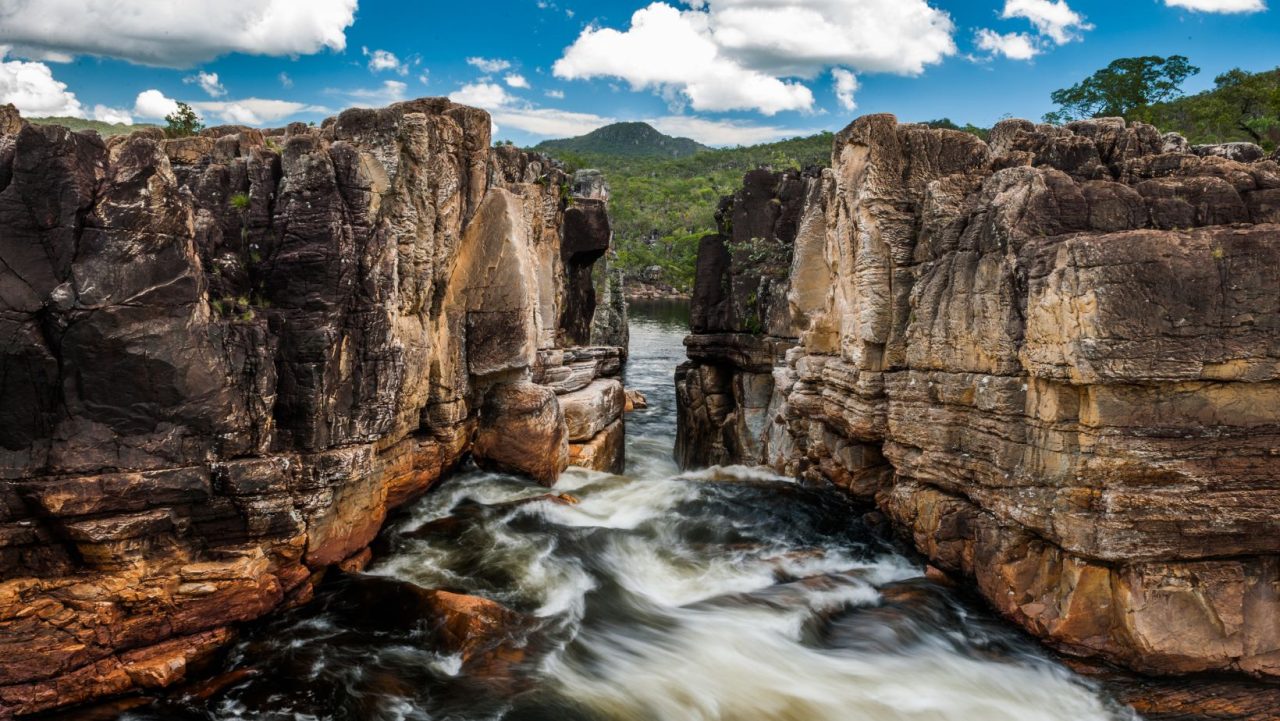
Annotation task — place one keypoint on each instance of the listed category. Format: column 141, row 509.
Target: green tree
column 1125, row 88
column 182, row 122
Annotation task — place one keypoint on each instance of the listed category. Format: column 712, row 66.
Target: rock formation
column 1053, row 360
column 226, row 357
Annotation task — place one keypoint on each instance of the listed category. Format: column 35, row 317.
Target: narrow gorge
column 353, row 422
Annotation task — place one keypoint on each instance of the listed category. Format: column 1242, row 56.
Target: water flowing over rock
column 227, row 357
column 1053, row 360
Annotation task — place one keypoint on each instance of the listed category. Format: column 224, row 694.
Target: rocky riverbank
column 227, row 357
column 1053, row 360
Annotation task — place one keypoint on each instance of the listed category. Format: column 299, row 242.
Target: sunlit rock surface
column 1053, row 359
column 226, row 357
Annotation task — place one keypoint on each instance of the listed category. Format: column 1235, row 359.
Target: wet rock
column 228, row 357
column 635, row 401
column 1049, row 359
column 523, row 430
column 605, row 451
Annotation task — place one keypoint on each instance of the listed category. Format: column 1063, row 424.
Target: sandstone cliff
column 227, row 357
column 1053, row 360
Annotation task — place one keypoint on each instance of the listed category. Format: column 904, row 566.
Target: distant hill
column 625, row 140
column 104, row 129
column 662, row 206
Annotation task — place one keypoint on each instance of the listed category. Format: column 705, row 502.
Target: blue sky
column 722, row 71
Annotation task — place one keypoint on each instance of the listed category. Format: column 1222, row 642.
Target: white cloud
column 285, row 80
column 380, row 60
column 482, row 95
column 112, row 115
column 489, row 65
column 722, row 132
column 208, row 82
column 32, row 88
column 846, row 84
column 516, row 80
column 254, row 111
column 1219, row 6
column 154, row 104
column 175, row 34
column 1051, row 18
column 1015, row 46
column 671, row 52
column 424, row 77
column 390, row 91
column 555, row 94
column 747, row 54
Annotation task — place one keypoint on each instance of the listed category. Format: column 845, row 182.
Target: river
column 730, row 595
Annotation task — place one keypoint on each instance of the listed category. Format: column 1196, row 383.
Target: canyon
column 1051, row 361
column 228, row 357
column 235, row 364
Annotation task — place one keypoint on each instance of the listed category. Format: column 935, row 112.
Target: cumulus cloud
column 482, row 95
column 516, row 80
column 1015, row 46
column 489, row 65
column 1219, row 6
column 31, row 87
column 285, row 80
column 846, row 84
column 1053, row 19
column 208, row 82
column 381, row 60
column 555, row 94
column 748, row 54
column 254, row 111
column 154, row 104
column 112, row 115
column 174, row 34
column 674, row 52
column 390, row 91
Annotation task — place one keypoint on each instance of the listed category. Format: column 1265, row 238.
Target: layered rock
column 1053, row 359
column 227, row 357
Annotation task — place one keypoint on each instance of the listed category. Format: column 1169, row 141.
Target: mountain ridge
column 629, row 139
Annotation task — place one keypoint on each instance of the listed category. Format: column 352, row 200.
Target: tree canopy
column 182, row 122
column 1122, row 88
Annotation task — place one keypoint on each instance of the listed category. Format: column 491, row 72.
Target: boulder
column 523, row 431
column 589, row 411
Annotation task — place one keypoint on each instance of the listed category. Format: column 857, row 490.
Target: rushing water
column 730, row 595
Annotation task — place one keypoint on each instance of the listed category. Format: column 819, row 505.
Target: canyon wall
column 1052, row 359
column 227, row 357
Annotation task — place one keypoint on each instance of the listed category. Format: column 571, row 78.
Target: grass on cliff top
column 661, row 207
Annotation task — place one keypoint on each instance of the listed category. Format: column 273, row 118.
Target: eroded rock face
column 1053, row 360
column 226, row 357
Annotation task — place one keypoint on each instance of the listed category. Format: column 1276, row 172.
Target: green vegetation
column 182, row 122
column 106, row 130
column 1122, row 89
column 661, row 206
column 631, row 140
column 1242, row 106
column 970, row 128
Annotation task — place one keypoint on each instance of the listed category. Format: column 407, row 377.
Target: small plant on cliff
column 183, row 122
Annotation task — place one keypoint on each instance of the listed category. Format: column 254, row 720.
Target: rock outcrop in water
column 1053, row 360
column 227, row 357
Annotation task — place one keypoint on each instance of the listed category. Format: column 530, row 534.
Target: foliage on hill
column 625, row 140
column 77, row 124
column 661, row 207
column 1242, row 106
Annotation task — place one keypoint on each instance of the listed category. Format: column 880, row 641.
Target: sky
column 724, row 72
